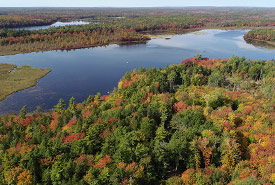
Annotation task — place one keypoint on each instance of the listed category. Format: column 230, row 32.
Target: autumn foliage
column 261, row 34
column 145, row 132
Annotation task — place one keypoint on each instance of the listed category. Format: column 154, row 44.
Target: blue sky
column 134, row 3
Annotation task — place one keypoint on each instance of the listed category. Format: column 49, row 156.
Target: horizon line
column 137, row 7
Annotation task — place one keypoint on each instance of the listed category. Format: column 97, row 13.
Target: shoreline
column 149, row 35
column 73, row 48
column 159, row 34
column 261, row 43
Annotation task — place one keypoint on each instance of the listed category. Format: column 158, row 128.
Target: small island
column 13, row 78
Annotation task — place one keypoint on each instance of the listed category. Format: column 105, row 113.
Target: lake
column 83, row 72
column 57, row 24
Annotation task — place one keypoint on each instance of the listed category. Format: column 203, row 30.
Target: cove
column 83, row 72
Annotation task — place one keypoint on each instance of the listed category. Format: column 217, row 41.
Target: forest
column 261, row 34
column 70, row 37
column 133, row 25
column 204, row 121
column 22, row 17
column 261, row 37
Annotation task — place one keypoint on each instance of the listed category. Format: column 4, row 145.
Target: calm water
column 57, row 24
column 83, row 72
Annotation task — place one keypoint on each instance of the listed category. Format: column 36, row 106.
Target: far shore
column 150, row 36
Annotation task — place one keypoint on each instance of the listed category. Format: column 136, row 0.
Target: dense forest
column 261, row 34
column 19, row 21
column 22, row 17
column 249, row 23
column 205, row 121
column 115, row 25
column 69, row 37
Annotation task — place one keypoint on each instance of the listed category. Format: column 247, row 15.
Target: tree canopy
column 194, row 122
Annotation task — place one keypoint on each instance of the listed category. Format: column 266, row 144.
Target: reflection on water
column 263, row 44
column 83, row 72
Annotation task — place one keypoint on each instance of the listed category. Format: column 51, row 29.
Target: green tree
column 23, row 112
column 60, row 107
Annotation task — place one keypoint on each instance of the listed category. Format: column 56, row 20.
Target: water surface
column 83, row 72
column 57, row 24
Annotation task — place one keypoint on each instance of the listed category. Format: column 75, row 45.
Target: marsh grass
column 22, row 78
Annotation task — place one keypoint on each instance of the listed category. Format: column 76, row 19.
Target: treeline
column 67, row 41
column 204, row 121
column 28, row 16
column 138, row 22
column 24, row 17
column 68, row 37
column 143, row 24
column 23, row 21
column 249, row 23
column 261, row 34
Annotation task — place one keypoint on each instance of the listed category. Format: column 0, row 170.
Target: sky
column 134, row 3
